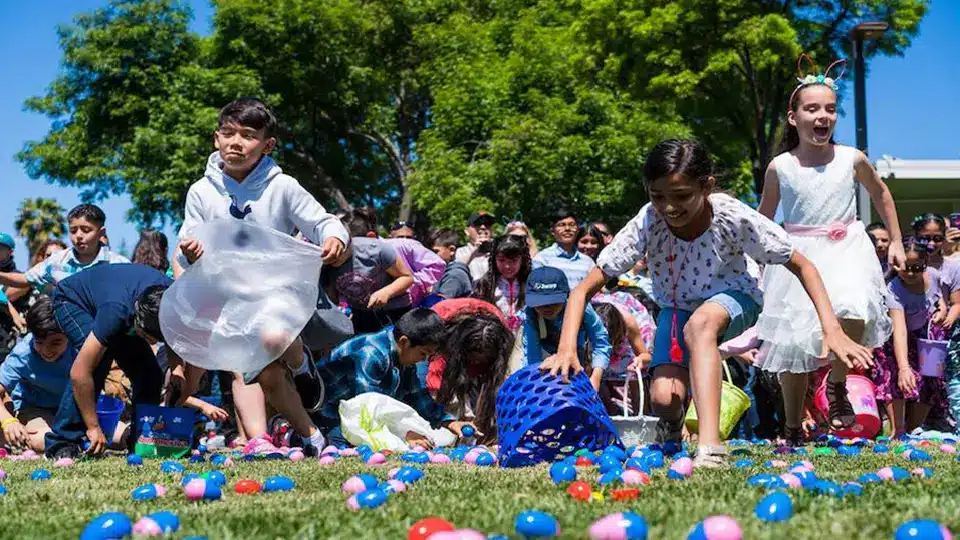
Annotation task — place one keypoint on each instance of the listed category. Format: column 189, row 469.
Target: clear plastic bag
column 382, row 423
column 251, row 287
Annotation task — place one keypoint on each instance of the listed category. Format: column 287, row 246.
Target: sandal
column 842, row 415
column 710, row 457
column 793, row 436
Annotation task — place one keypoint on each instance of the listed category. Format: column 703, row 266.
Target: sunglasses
column 915, row 268
column 931, row 238
column 400, row 225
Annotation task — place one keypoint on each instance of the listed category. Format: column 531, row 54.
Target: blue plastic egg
column 172, row 467
column 654, row 459
column 196, row 458
column 608, row 463
column 924, row 472
column 408, row 475
column 743, row 463
column 881, row 449
column 202, row 448
column 616, row 452
column 852, row 488
column 826, row 487
column 148, row 492
column 638, row 464
column 765, row 480
column 415, row 457
column 163, row 523
column 919, row 455
column 776, row 506
column 187, row 478
column 216, row 477
column 106, row 526
column 622, row 526
column 485, row 459
column 282, row 483
column 458, row 453
column 40, row 475
column 562, row 471
column 921, row 529
column 536, row 524
column 672, row 448
column 899, row 474
column 742, row 451
column 848, row 451
column 134, row 460
column 610, row 477
column 807, row 478
column 3, row 491
column 468, row 431
column 219, row 459
column 870, row 478
column 371, row 498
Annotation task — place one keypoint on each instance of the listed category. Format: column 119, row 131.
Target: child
column 151, row 250
column 385, row 362
column 242, row 181
column 403, row 229
column 697, row 243
column 455, row 281
column 815, row 183
column 86, row 223
column 109, row 313
column 46, row 250
column 631, row 331
column 590, row 240
column 563, row 254
column 35, row 375
column 547, row 294
column 503, row 284
column 915, row 308
column 880, row 237
column 519, row 228
column 479, row 346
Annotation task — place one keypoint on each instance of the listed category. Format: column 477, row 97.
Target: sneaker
column 71, row 451
column 710, row 457
column 670, row 432
column 280, row 431
column 260, row 446
column 309, row 385
column 309, row 449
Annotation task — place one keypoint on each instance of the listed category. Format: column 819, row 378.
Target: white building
column 918, row 186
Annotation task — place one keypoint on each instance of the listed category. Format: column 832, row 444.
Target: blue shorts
column 743, row 312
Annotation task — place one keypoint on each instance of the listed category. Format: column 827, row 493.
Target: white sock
column 316, row 438
column 304, row 368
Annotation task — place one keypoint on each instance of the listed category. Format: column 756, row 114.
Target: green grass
column 484, row 499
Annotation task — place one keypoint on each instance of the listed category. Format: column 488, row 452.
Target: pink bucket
column 933, row 357
column 862, row 395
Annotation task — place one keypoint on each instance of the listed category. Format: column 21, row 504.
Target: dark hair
column 913, row 244
column 875, row 226
column 511, row 246
column 677, row 156
column 471, row 335
column 422, row 326
column 360, row 221
column 612, row 319
column 791, row 137
column 90, row 212
column 445, row 237
column 151, row 250
column 249, row 112
column 146, row 313
column 38, row 254
column 561, row 213
column 590, row 229
column 923, row 220
column 40, row 319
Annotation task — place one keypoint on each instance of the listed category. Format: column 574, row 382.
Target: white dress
column 820, row 197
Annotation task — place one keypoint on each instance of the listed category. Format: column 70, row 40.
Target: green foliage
column 39, row 220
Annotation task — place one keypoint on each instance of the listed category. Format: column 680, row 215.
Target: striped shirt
column 64, row 264
column 575, row 266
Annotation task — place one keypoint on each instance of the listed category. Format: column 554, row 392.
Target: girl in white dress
column 815, row 182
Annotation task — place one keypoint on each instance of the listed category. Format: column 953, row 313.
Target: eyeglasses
column 566, row 225
column 915, row 268
column 931, row 238
column 401, row 224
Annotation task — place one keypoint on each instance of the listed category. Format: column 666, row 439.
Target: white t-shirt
column 713, row 263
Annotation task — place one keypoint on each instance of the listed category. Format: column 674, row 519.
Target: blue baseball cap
column 7, row 240
column 547, row 285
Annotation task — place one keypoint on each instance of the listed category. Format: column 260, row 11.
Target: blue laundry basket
column 539, row 418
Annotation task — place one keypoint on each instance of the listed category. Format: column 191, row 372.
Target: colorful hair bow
column 812, row 77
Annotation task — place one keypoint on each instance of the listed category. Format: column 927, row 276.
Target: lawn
column 486, row 499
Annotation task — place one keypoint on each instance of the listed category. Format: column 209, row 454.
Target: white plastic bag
column 252, row 282
column 382, row 423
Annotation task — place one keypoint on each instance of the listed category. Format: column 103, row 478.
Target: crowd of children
column 697, row 278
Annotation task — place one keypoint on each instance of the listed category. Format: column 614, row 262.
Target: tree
column 39, row 220
column 134, row 107
column 731, row 64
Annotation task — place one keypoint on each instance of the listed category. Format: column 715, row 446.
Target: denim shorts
column 743, row 311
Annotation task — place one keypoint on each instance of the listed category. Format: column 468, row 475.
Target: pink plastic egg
column 63, row 462
column 778, row 463
column 683, row 466
column 352, row 503
column 397, row 486
column 393, row 472
column 349, row 452
column 418, row 449
column 330, row 449
column 459, row 534
column 296, row 455
column 354, row 485
column 471, row 457
column 886, row 473
column 440, row 459
column 722, row 528
column 376, row 459
column 633, row 477
column 327, row 460
column 3, row 474
column 791, row 480
column 948, row 449
column 807, row 464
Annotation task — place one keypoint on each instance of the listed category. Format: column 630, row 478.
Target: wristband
column 8, row 421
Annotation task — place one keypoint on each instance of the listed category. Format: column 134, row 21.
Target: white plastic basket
column 639, row 429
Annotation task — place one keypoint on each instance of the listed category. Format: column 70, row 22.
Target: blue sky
column 911, row 100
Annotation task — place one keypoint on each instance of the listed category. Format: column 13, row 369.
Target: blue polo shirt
column 31, row 380
column 575, row 266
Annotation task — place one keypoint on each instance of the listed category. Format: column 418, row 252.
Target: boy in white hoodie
column 243, row 182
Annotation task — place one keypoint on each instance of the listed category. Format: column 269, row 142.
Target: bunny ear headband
column 811, row 77
column 516, row 220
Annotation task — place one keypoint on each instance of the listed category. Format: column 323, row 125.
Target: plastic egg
column 807, row 478
column 296, row 455
column 407, row 475
column 716, row 528
column 583, row 461
column 919, row 455
column 654, row 459
column 3, row 491
column 922, row 472
column 330, row 449
column 40, row 475
column 948, row 449
column 625, row 494
column 200, row 489
column 148, row 492
column 869, row 478
column 189, row 478
column 893, row 473
column 468, row 431
column 426, row 527
column 349, row 452
column 459, row 534
column 278, row 483
column 109, row 525
column 326, row 460
column 485, row 460
column 157, row 524
column 637, row 464
column 63, row 462
column 376, row 459
column 562, row 471
column 247, row 487
column 777, row 463
column 922, row 529
column 765, row 480
column 359, row 483
column 852, row 488
column 579, row 490
column 608, row 463
column 222, row 460
column 3, row 475
column 682, row 467
column 776, row 506
column 196, row 458
column 619, row 526
column 743, row 463
column 848, row 451
column 393, row 486
column 415, row 457
column 372, row 498
column 611, row 477
column 172, row 467
column 536, row 524
column 826, row 487
column 791, row 480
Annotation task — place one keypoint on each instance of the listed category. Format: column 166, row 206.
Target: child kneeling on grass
column 385, row 362
column 35, row 375
column 697, row 243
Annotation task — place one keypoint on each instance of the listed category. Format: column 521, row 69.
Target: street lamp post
column 859, row 34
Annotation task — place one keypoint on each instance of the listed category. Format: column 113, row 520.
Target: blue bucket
column 109, row 410
column 541, row 419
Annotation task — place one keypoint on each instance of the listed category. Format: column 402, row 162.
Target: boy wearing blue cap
column 546, row 294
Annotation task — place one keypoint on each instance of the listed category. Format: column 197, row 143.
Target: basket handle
column 726, row 370
column 626, row 395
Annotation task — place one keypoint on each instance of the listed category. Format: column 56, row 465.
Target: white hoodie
column 266, row 197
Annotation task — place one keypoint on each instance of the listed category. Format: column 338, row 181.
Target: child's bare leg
column 701, row 335
column 251, row 407
column 283, row 396
column 895, row 414
column 916, row 415
column 794, row 387
column 668, row 391
column 37, row 429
